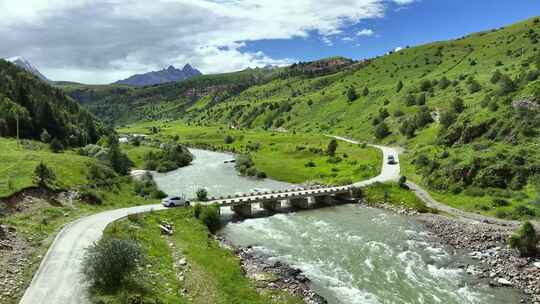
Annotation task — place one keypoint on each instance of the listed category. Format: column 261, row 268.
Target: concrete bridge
column 297, row 198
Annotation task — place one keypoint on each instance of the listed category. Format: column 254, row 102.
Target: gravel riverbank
column 486, row 243
column 273, row 275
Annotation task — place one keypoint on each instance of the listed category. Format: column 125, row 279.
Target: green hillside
column 40, row 108
column 465, row 109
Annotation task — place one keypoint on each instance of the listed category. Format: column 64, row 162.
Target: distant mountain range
column 170, row 74
column 25, row 64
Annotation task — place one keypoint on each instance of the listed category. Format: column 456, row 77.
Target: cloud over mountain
column 104, row 40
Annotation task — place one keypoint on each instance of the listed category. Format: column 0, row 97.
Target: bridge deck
column 256, row 197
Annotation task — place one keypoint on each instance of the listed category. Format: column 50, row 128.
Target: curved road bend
column 392, row 173
column 58, row 279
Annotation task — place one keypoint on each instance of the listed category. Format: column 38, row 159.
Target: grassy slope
column 318, row 104
column 278, row 155
column 214, row 275
column 330, row 112
column 17, row 165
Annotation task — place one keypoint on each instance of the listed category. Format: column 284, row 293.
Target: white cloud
column 404, row 2
column 399, row 48
column 103, row 40
column 365, row 32
column 347, row 39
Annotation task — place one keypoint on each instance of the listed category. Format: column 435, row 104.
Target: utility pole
column 17, row 129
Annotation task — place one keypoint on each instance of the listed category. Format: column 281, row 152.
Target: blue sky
column 417, row 23
column 101, row 41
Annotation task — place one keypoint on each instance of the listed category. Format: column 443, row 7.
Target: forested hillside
column 117, row 103
column 42, row 109
column 467, row 110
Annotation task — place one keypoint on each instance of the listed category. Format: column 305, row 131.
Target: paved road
column 388, row 172
column 58, row 279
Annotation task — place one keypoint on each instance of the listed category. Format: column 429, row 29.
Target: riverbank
column 486, row 244
column 267, row 274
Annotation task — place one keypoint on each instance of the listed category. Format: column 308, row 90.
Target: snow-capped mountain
column 170, row 74
column 25, row 64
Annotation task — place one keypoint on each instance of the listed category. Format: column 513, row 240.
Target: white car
column 174, row 201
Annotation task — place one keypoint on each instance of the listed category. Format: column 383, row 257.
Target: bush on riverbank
column 210, row 218
column 245, row 165
column 525, row 240
column 171, row 157
column 110, row 263
column 147, row 187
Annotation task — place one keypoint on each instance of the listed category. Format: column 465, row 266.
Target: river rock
column 3, row 232
column 504, row 282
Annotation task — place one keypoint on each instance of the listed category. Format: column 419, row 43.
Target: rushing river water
column 352, row 254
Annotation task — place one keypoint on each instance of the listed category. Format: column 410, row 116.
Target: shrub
column 524, row 240
column 332, row 147
column 357, row 192
column 228, row 139
column 261, row 174
column 351, row 94
column 110, row 262
column 500, row 202
column 90, row 196
column 399, row 86
column 202, row 194
column 45, row 137
column 210, row 217
column 334, row 160
column 403, row 182
column 365, row 92
column 523, row 211
column 251, row 171
column 166, row 166
column 457, row 105
column 381, row 131
column 56, row 146
column 421, row 99
column 501, row 214
column 197, row 209
column 44, row 175
column 309, row 164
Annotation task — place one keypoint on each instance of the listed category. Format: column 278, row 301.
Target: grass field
column 392, row 194
column 281, row 155
column 214, row 275
column 17, row 165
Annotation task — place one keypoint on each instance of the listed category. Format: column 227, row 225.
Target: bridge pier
column 270, row 205
column 344, row 196
column 323, row 200
column 299, row 202
column 242, row 210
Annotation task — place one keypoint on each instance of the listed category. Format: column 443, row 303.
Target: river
column 352, row 254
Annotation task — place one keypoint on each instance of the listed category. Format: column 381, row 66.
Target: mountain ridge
column 25, row 64
column 170, row 74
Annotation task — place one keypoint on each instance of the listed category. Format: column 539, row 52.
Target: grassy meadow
column 291, row 157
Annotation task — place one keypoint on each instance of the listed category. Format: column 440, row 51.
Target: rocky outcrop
column 525, row 104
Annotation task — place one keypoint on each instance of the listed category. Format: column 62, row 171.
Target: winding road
column 58, row 278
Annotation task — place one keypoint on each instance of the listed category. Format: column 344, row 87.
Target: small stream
column 352, row 254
